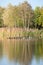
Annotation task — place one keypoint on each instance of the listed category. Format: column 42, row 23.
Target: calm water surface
column 21, row 52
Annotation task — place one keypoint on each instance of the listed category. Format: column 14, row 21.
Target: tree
column 41, row 17
column 38, row 17
column 18, row 21
column 26, row 13
column 8, row 17
column 1, row 20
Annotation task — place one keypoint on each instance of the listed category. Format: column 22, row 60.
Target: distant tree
column 41, row 17
column 8, row 17
column 38, row 17
column 1, row 20
column 19, row 16
column 18, row 21
column 26, row 13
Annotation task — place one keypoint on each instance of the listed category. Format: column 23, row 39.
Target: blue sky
column 33, row 3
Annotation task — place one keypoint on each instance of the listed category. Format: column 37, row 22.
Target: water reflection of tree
column 1, row 49
column 21, row 51
column 38, row 52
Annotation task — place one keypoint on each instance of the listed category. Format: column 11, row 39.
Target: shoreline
column 20, row 33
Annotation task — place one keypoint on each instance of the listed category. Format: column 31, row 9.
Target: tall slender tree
column 1, row 20
column 26, row 13
column 8, row 17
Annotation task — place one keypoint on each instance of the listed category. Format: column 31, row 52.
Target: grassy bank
column 34, row 33
column 19, row 32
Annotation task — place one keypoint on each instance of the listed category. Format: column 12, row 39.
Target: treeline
column 21, row 16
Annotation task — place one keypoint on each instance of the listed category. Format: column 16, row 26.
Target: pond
column 21, row 52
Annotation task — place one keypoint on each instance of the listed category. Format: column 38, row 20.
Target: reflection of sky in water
column 5, row 61
column 37, row 62
column 22, row 53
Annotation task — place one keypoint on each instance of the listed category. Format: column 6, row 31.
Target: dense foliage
column 38, row 17
column 21, row 16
